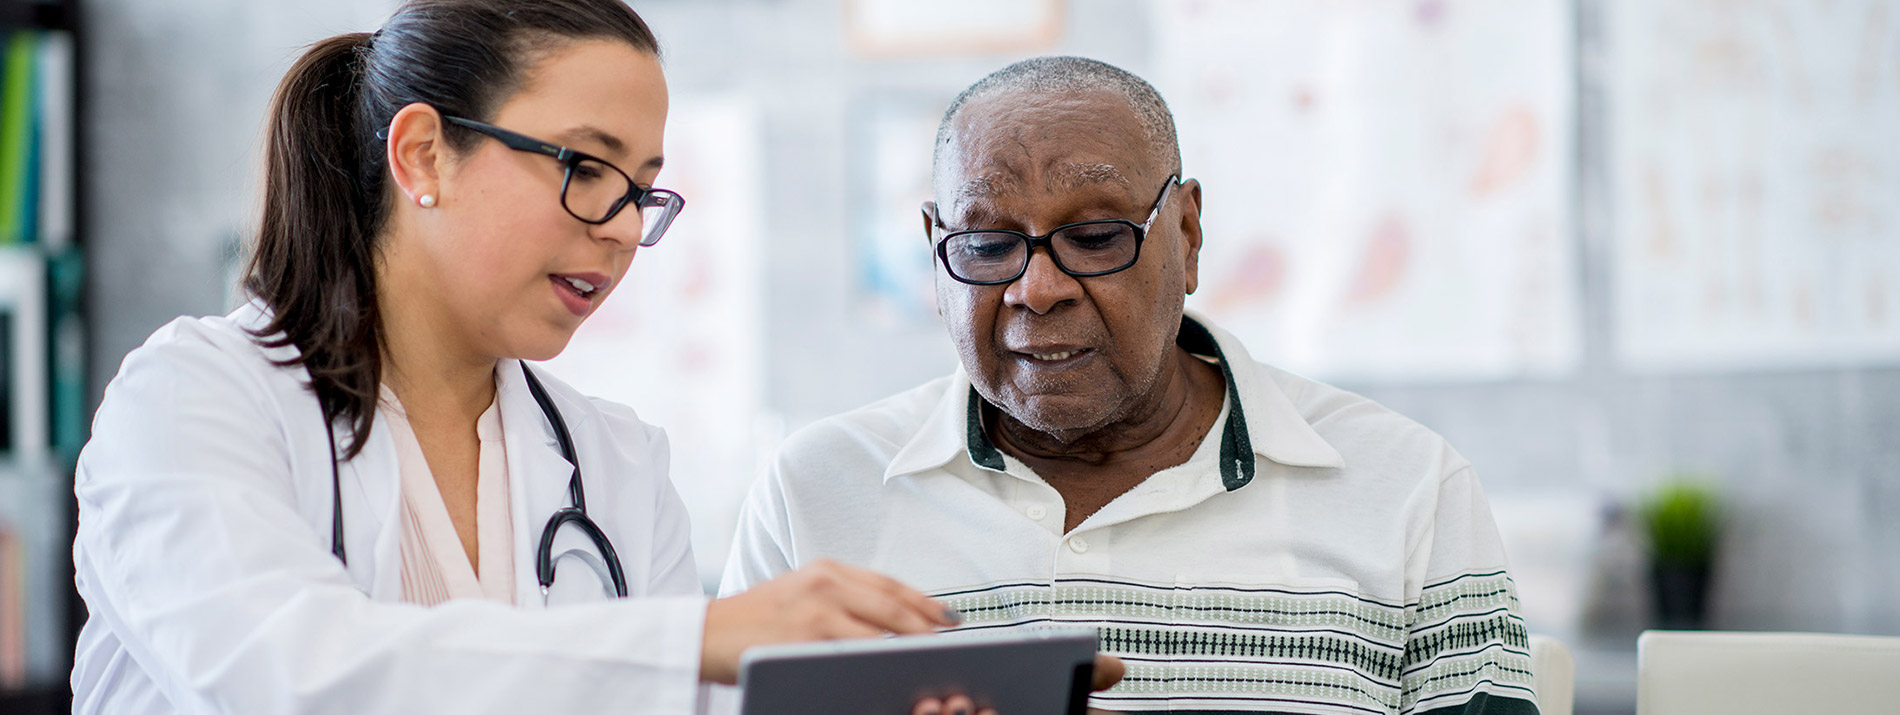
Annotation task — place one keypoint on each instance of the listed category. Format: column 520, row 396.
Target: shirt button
column 1078, row 545
column 1036, row 512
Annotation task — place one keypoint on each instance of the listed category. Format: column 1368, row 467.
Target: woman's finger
column 845, row 626
column 876, row 607
column 925, row 607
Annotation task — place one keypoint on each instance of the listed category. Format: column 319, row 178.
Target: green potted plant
column 1683, row 525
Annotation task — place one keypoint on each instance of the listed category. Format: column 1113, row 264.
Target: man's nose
column 1042, row 286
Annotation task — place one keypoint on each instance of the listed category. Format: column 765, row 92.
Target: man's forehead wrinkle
column 1076, row 175
column 988, row 186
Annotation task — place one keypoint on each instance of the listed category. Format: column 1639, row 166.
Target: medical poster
column 898, row 28
column 1387, row 184
column 1756, row 183
column 680, row 339
column 891, row 180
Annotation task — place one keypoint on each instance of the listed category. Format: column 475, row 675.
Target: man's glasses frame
column 1047, row 243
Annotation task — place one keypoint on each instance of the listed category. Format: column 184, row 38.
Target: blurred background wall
column 790, row 288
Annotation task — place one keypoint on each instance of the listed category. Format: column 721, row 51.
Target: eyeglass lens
column 596, row 189
column 985, row 256
column 657, row 209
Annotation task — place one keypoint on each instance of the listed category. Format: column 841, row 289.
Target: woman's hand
column 825, row 600
column 1108, row 671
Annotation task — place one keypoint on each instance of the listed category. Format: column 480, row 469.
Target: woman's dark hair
column 313, row 263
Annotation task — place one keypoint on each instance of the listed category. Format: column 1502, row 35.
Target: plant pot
column 1682, row 595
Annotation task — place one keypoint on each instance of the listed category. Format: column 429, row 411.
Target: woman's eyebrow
column 615, row 148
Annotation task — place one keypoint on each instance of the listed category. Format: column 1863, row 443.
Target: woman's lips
column 572, row 297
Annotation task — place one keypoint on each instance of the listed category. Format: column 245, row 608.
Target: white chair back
column 1553, row 674
column 1706, row 673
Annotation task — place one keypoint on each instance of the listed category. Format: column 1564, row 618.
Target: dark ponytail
column 313, row 262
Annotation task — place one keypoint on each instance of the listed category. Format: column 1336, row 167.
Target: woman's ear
column 416, row 154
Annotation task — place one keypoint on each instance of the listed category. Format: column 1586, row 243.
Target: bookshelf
column 44, row 400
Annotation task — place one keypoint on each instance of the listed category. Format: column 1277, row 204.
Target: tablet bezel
column 877, row 674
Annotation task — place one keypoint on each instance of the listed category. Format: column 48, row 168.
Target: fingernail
column 951, row 616
column 961, row 710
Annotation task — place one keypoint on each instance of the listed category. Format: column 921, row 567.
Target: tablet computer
column 1020, row 672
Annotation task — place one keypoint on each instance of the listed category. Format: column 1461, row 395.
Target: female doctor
column 352, row 495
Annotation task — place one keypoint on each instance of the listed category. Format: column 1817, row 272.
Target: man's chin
column 1066, row 417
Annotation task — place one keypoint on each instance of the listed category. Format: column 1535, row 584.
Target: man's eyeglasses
column 592, row 189
column 1087, row 248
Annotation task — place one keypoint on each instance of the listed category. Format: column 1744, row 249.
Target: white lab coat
column 203, row 554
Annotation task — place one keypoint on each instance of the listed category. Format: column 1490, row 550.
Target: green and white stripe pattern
column 1218, row 648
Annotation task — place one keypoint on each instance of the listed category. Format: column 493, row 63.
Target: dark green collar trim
column 982, row 452
column 1236, row 448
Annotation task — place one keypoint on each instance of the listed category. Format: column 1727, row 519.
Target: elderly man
column 1244, row 539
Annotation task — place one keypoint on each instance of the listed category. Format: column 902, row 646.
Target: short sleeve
column 1466, row 649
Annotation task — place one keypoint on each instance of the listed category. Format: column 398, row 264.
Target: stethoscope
column 575, row 514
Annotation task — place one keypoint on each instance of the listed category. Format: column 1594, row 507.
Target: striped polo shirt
column 1321, row 554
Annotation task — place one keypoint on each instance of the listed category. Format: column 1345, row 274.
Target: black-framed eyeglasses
column 592, row 189
column 1082, row 249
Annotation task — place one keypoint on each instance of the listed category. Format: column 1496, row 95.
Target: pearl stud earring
column 427, row 201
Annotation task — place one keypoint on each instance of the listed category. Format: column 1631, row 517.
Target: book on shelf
column 66, row 327
column 56, row 184
column 23, row 337
column 12, row 610
column 36, row 137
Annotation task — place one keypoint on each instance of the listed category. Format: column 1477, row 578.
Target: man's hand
column 953, row 705
column 1108, row 671
column 822, row 601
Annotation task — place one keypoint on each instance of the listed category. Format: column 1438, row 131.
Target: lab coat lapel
column 372, row 498
column 537, row 475
column 369, row 483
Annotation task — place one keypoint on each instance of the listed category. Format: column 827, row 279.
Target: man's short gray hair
column 1052, row 75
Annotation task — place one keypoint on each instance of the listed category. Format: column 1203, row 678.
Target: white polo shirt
column 1318, row 553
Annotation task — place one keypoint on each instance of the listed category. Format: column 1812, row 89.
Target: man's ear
column 415, row 152
column 1190, row 193
column 930, row 222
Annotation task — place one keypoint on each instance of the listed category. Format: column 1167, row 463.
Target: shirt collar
column 1261, row 420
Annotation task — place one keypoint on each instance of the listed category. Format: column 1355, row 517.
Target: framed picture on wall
column 911, row 28
column 23, row 426
column 893, row 133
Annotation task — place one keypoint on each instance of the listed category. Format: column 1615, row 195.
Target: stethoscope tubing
column 575, row 514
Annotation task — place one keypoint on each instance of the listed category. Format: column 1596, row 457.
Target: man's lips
column 1053, row 354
